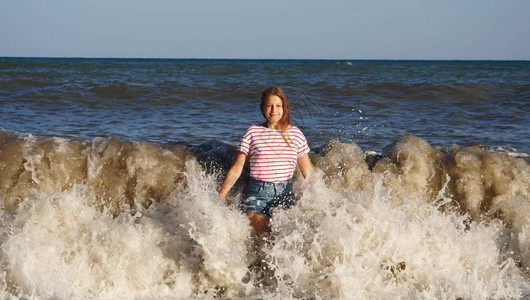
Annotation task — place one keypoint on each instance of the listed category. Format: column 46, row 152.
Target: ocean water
column 109, row 172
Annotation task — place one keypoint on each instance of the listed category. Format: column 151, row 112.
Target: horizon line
column 307, row 59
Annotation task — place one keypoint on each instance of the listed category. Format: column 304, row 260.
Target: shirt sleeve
column 303, row 147
column 244, row 144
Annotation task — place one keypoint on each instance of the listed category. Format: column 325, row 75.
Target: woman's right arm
column 233, row 174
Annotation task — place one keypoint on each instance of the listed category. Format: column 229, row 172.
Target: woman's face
column 272, row 109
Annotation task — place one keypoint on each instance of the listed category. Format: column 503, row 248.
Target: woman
column 273, row 150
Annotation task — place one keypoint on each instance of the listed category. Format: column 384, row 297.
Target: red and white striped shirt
column 271, row 158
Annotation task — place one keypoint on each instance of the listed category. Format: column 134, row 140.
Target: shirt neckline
column 259, row 125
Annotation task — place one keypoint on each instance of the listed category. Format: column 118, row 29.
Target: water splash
column 112, row 218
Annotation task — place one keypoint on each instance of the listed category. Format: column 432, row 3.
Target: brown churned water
column 109, row 217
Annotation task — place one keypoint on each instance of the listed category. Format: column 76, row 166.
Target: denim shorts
column 260, row 196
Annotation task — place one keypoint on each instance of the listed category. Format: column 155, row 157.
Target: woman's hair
column 285, row 121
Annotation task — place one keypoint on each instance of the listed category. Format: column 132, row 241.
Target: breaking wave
column 111, row 218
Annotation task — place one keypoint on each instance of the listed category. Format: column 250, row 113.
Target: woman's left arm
column 305, row 165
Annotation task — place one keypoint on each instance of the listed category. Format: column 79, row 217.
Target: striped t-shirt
column 271, row 158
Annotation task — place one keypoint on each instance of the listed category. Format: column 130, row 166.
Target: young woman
column 273, row 149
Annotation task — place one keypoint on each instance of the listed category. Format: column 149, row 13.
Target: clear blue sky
column 310, row 29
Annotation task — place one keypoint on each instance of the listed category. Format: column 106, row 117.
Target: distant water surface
column 371, row 103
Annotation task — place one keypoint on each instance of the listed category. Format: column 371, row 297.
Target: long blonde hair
column 285, row 120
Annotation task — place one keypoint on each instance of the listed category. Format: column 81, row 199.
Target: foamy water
column 109, row 218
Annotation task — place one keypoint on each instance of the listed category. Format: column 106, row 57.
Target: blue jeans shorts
column 260, row 196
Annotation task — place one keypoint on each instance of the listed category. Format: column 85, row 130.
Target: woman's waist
column 265, row 183
column 275, row 173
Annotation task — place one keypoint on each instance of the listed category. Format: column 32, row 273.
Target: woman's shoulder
column 296, row 132
column 254, row 128
column 294, row 128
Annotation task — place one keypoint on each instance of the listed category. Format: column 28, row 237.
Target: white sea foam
column 360, row 245
column 113, row 219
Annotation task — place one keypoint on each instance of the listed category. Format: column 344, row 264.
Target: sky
column 272, row 29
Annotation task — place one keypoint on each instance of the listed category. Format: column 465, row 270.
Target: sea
column 110, row 170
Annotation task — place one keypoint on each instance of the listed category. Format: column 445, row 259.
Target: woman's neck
column 271, row 126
